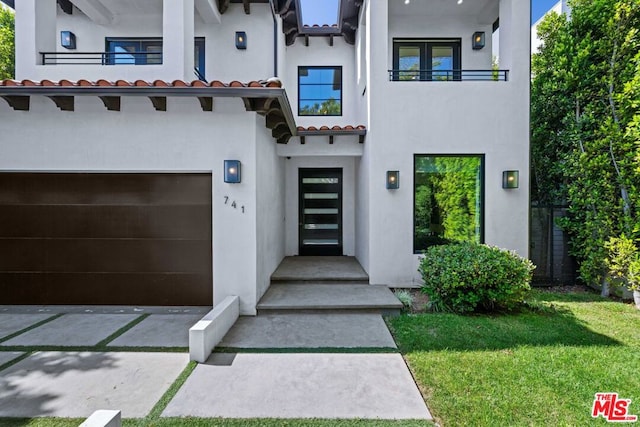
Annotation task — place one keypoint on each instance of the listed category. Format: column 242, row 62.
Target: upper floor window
column 133, row 51
column 319, row 91
column 141, row 51
column 426, row 60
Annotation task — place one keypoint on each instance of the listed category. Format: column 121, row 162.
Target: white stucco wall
column 443, row 27
column 183, row 139
column 488, row 118
column 292, row 165
column 176, row 22
column 319, row 53
column 270, row 200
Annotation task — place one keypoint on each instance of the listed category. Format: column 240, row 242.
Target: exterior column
column 35, row 33
column 515, row 36
column 178, row 39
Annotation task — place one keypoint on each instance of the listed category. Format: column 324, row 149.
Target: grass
column 539, row 367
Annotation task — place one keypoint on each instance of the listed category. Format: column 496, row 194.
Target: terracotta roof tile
column 271, row 83
column 323, row 129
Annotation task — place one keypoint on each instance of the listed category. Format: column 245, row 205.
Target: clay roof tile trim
column 141, row 83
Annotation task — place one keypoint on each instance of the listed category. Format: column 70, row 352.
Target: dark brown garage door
column 125, row 239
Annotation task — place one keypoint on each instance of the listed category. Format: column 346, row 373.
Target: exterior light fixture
column 68, row 39
column 510, row 179
column 241, row 40
column 477, row 42
column 393, row 180
column 232, row 171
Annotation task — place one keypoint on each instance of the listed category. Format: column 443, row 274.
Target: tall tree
column 585, row 109
column 7, row 44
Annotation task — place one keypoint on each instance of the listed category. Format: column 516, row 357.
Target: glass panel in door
column 408, row 63
column 320, row 216
column 442, row 62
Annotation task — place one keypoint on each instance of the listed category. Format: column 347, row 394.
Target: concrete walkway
column 317, row 330
column 295, row 384
column 370, row 386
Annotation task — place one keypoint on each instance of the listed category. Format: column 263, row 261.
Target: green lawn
column 541, row 367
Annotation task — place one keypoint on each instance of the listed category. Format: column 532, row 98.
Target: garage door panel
column 94, row 221
column 107, row 288
column 77, row 238
column 103, row 189
column 104, row 255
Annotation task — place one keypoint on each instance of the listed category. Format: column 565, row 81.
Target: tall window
column 426, row 59
column 448, row 200
column 319, row 91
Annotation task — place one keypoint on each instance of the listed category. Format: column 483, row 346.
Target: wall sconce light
column 68, row 39
column 510, row 179
column 232, row 171
column 393, row 180
column 241, row 40
column 477, row 42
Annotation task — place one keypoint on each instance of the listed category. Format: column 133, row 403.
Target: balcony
column 440, row 75
column 101, row 58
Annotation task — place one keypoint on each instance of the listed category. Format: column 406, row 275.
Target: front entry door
column 320, row 218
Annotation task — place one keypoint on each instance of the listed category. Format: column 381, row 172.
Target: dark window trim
column 139, row 60
column 425, row 45
column 482, row 192
column 327, row 67
column 198, row 41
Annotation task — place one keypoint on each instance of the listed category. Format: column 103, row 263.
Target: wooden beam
column 66, row 6
column 111, row 102
column 361, row 139
column 331, row 139
column 206, row 102
column 95, row 10
column 303, row 140
column 280, row 131
column 223, row 5
column 65, row 103
column 274, row 119
column 330, row 39
column 247, row 7
column 18, row 103
column 306, row 40
column 159, row 102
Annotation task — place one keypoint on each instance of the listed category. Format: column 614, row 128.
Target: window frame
column 140, row 59
column 326, row 67
column 482, row 158
column 199, row 51
column 425, row 47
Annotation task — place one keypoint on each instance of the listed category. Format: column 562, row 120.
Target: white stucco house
column 167, row 152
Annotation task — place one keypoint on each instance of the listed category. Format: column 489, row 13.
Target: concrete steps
column 316, row 303
column 320, row 270
column 284, row 297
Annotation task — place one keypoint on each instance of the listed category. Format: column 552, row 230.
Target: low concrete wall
column 103, row 418
column 209, row 331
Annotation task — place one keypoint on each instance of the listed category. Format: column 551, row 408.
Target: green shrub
column 467, row 277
